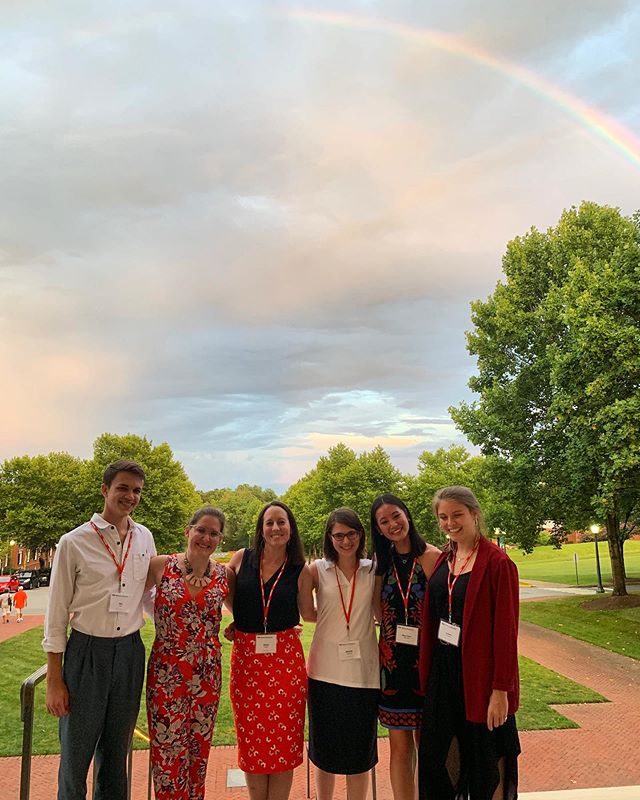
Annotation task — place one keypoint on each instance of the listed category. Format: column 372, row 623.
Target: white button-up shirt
column 84, row 577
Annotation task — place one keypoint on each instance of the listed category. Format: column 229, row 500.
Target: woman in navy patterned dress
column 404, row 562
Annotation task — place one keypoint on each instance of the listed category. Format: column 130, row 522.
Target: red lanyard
column 347, row 614
column 266, row 603
column 403, row 595
column 119, row 567
column 450, row 584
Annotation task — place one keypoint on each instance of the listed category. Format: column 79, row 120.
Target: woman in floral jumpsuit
column 184, row 674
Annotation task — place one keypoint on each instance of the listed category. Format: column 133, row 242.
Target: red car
column 9, row 582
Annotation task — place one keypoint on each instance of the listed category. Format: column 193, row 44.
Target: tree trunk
column 616, row 555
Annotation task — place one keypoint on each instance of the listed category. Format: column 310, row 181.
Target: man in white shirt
column 97, row 585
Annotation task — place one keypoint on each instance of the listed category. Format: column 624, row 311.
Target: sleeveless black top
column 247, row 600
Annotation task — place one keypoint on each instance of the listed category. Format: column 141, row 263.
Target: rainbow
column 604, row 127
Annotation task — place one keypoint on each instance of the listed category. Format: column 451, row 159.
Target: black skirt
column 342, row 728
column 459, row 759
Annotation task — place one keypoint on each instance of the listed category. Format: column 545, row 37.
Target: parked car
column 10, row 582
column 28, row 579
column 44, row 576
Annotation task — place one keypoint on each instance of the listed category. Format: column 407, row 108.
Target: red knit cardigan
column 489, row 632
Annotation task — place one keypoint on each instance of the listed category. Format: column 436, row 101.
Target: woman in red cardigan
column 469, row 662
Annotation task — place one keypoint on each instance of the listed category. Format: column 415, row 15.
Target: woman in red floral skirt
column 184, row 674
column 271, row 588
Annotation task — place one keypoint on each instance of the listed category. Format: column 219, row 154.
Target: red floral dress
column 183, row 682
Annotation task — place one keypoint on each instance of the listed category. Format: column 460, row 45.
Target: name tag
column 449, row 633
column 119, row 603
column 348, row 651
column 266, row 643
column 407, row 634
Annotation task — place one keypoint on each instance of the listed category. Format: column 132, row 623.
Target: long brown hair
column 295, row 549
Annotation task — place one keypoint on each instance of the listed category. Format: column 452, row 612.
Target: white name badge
column 119, row 603
column 348, row 651
column 266, row 643
column 449, row 633
column 407, row 634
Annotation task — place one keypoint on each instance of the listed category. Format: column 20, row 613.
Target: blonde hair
column 460, row 494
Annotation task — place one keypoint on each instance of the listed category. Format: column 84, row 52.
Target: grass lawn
column 617, row 630
column 22, row 655
column 557, row 566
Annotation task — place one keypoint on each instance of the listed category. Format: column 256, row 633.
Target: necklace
column 193, row 579
column 468, row 555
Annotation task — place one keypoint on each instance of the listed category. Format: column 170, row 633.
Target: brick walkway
column 602, row 752
column 13, row 628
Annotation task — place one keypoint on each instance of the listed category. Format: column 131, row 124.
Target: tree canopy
column 558, row 355
column 42, row 497
column 241, row 507
column 169, row 498
column 341, row 478
column 451, row 467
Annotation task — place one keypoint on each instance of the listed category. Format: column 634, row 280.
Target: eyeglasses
column 351, row 536
column 202, row 531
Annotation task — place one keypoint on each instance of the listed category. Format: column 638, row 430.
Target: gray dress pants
column 104, row 677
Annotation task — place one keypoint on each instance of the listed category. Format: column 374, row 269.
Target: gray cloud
column 250, row 234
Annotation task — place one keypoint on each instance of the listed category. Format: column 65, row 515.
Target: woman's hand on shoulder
column 156, row 568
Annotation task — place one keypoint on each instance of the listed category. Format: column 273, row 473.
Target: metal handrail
column 27, row 707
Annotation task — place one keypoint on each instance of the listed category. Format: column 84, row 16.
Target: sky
column 253, row 230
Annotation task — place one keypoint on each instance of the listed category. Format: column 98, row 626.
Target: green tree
column 558, row 352
column 453, row 466
column 241, row 507
column 43, row 496
column 341, row 478
column 168, row 499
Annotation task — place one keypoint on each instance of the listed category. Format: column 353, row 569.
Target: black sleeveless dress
column 401, row 700
column 458, row 760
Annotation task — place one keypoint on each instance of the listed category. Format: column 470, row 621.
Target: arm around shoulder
column 156, row 568
column 376, row 600
column 236, row 560
column 231, row 583
column 428, row 559
column 305, row 595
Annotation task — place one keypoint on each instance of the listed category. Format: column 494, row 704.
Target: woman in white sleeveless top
column 344, row 675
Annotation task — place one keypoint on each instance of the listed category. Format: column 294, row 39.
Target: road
column 529, row 590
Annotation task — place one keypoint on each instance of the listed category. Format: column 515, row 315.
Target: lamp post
column 595, row 530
